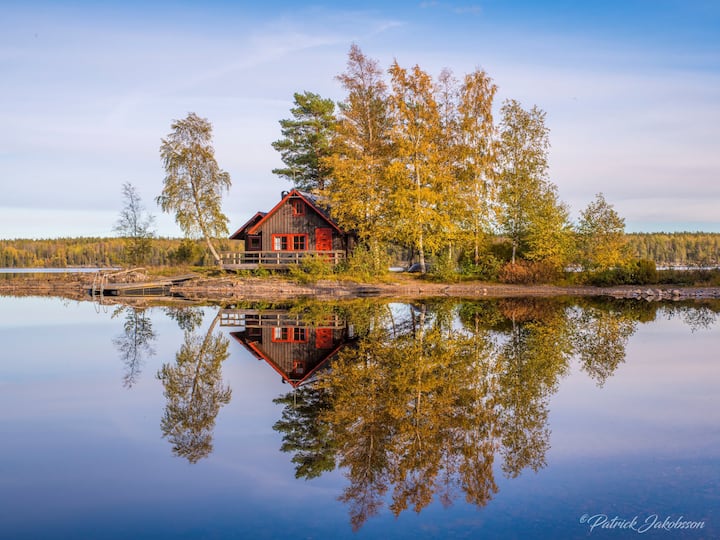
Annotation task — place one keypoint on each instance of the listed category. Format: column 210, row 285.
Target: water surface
column 432, row 419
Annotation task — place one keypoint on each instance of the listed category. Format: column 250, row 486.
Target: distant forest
column 666, row 249
column 102, row 252
column 676, row 249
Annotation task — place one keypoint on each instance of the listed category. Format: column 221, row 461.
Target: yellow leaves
column 195, row 393
column 419, row 406
column 194, row 183
column 601, row 235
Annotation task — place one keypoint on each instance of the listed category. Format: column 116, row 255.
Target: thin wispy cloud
column 89, row 90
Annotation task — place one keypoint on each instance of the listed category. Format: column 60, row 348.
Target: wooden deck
column 158, row 287
column 250, row 260
column 252, row 318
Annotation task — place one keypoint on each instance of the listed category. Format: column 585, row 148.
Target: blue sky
column 631, row 90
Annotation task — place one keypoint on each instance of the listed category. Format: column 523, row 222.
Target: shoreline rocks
column 229, row 288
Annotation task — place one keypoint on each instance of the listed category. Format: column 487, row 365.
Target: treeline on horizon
column 100, row 252
column 665, row 249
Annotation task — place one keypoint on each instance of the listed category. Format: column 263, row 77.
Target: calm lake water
column 435, row 419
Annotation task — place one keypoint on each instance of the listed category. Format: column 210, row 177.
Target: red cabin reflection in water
column 293, row 348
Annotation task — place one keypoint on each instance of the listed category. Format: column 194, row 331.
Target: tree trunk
column 375, row 253
column 215, row 255
column 203, row 228
column 421, row 254
column 201, row 355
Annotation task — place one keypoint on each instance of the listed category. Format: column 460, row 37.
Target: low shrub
column 645, row 272
column 261, row 272
column 528, row 272
column 311, row 269
column 364, row 265
column 704, row 277
column 636, row 272
column 444, row 269
column 487, row 268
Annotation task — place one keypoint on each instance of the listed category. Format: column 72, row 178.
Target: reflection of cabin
column 294, row 349
column 296, row 227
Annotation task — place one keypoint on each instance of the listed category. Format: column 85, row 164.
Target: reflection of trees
column 420, row 406
column 194, row 393
column 531, row 359
column 412, row 411
column 600, row 337
column 187, row 318
column 698, row 316
column 303, row 433
column 135, row 345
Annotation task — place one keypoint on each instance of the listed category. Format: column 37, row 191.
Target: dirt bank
column 232, row 288
column 249, row 289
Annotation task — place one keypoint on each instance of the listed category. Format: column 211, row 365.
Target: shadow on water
column 414, row 402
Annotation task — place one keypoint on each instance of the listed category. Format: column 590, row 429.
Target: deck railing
column 251, row 259
column 250, row 318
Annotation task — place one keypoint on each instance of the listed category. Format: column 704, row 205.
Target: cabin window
column 289, row 335
column 298, row 207
column 299, row 334
column 280, row 334
column 280, row 242
column 299, row 367
column 254, row 334
column 299, row 242
column 289, row 242
column 254, row 243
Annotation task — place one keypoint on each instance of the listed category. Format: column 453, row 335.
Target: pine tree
column 306, row 141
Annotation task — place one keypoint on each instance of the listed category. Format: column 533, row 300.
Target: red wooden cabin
column 296, row 227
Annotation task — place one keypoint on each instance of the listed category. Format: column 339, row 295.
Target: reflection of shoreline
column 66, row 270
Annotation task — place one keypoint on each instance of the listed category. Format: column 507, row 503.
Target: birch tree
column 135, row 224
column 194, row 183
column 523, row 167
column 361, row 152
column 451, row 200
column 601, row 235
column 419, row 178
column 477, row 156
column 550, row 235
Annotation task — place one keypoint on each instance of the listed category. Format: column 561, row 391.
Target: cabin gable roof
column 308, row 198
column 242, row 231
column 260, row 354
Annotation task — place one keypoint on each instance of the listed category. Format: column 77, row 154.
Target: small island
column 408, row 187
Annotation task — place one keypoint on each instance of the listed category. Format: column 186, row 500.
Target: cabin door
column 323, row 239
column 323, row 338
